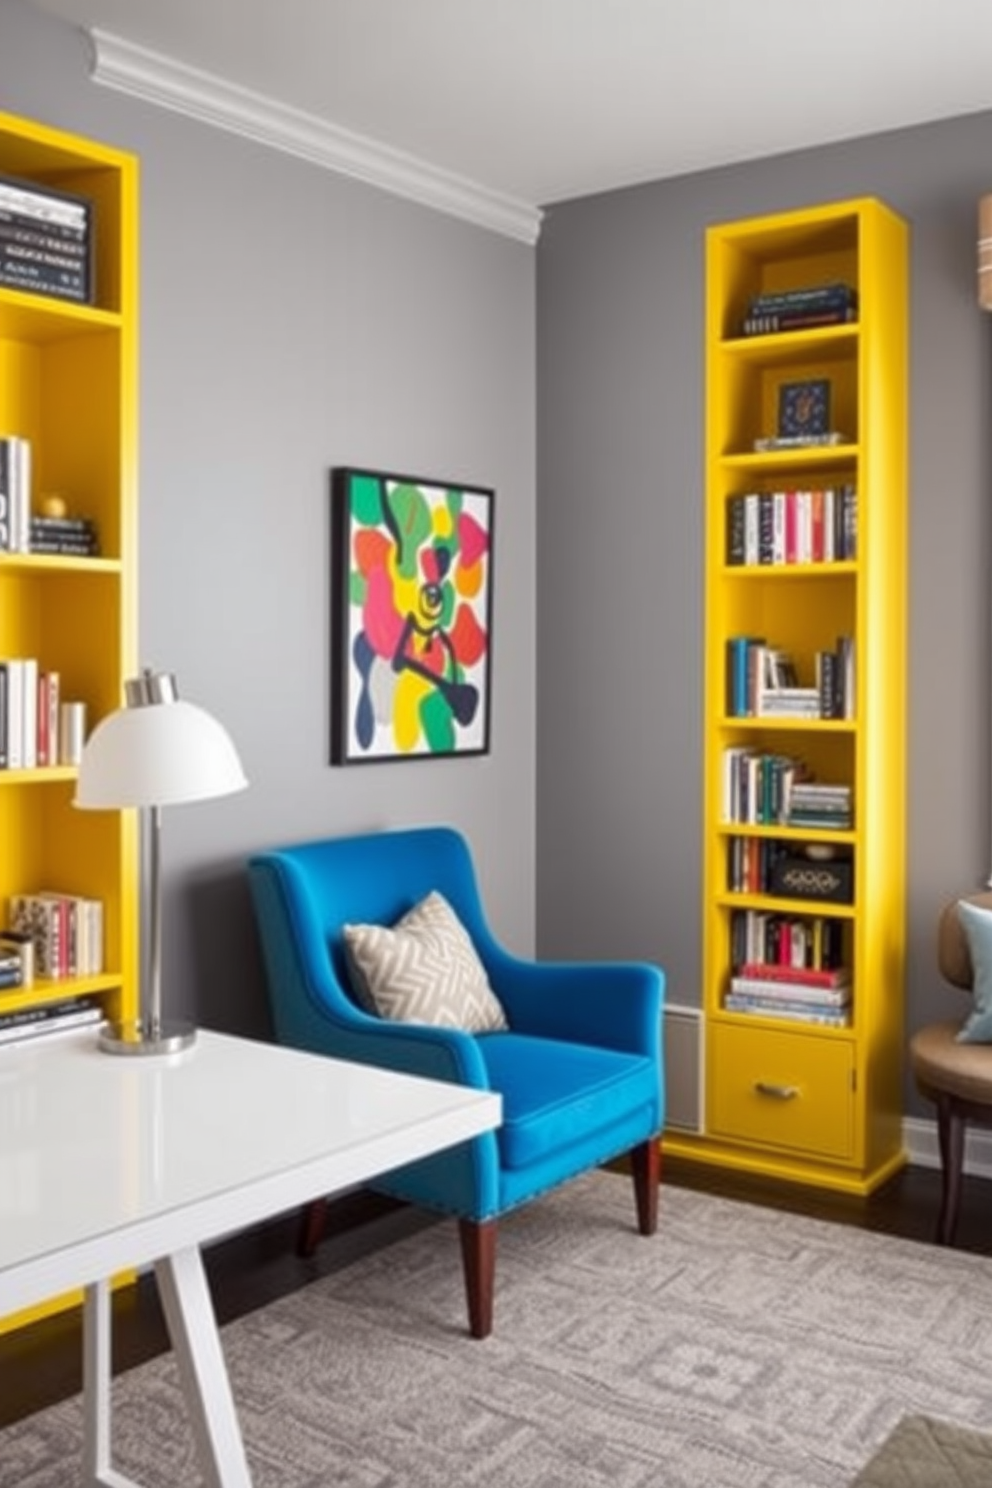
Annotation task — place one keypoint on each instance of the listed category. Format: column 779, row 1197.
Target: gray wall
column 620, row 544
column 292, row 320
column 398, row 337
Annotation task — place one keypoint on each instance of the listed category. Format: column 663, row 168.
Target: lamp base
column 138, row 1037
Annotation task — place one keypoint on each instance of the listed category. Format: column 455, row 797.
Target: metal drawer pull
column 777, row 1092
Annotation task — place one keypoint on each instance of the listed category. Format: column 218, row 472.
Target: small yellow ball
column 53, row 506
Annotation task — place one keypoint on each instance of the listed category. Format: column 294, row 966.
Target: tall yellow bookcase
column 68, row 384
column 799, row 1100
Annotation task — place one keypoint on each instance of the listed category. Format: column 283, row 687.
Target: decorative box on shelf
column 829, row 879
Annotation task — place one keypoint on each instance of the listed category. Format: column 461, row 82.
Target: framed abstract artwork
column 411, row 642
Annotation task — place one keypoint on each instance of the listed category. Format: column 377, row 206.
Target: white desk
column 109, row 1163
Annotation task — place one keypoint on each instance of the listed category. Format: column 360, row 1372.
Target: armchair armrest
column 613, row 1004
column 414, row 1048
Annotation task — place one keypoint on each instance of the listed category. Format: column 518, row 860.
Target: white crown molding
column 201, row 95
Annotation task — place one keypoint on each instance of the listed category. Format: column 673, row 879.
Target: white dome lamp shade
column 156, row 751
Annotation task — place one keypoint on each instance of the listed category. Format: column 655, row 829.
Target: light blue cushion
column 977, row 926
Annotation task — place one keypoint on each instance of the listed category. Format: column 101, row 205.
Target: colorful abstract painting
column 411, row 652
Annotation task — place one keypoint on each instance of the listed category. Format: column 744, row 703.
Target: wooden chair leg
column 313, row 1218
column 645, row 1163
column 478, row 1242
column 950, row 1131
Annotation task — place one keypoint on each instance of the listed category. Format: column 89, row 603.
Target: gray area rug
column 739, row 1348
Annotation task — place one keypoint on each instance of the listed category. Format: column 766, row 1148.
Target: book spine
column 45, row 1012
column 53, row 697
column 796, row 320
column 46, row 1027
column 29, row 714
column 809, row 976
column 766, row 528
column 69, row 546
column 42, row 724
column 837, row 292
column 26, row 232
column 735, row 530
column 15, row 713
column 57, row 208
column 40, row 279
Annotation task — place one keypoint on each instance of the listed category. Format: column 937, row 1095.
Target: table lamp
column 156, row 751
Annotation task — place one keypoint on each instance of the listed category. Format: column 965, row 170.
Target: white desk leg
column 97, row 1471
column 189, row 1313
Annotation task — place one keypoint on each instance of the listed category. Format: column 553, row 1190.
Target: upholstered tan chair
column 957, row 1077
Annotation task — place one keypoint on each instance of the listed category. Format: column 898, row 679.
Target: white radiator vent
column 684, row 1068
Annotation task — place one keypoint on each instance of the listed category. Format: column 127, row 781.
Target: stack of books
column 814, row 805
column 800, row 309
column 16, row 960
column 800, row 994
column 46, row 241
column 67, row 535
column 49, row 1018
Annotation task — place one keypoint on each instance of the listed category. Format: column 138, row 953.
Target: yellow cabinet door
column 789, row 1090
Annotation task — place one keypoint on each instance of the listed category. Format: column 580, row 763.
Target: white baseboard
column 924, row 1152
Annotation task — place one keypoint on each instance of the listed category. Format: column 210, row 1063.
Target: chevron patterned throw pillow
column 423, row 970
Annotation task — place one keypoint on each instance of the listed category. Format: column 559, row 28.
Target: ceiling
column 542, row 100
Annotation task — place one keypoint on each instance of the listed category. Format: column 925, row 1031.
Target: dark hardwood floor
column 41, row 1364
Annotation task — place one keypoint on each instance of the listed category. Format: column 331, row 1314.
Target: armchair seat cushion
column 552, row 1090
column 942, row 1063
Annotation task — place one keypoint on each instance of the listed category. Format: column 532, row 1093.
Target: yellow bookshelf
column 68, row 384
column 791, row 1099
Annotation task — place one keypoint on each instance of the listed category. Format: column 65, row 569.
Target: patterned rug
column 739, row 1348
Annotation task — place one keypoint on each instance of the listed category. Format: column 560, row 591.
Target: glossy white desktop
column 108, row 1164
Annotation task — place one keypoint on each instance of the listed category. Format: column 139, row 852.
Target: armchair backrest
column 953, row 955
column 305, row 893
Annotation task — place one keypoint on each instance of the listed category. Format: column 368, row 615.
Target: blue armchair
column 579, row 1070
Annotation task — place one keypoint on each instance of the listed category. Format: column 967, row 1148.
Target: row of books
column 66, row 931
column 751, row 863
column 763, row 681
column 33, row 730
column 776, row 527
column 807, row 943
column 50, row 1018
column 803, row 308
column 23, row 531
column 761, row 788
column 46, row 241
